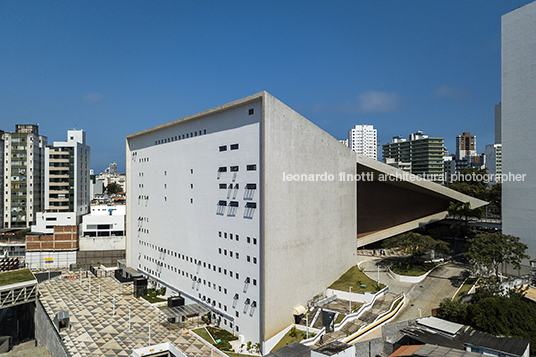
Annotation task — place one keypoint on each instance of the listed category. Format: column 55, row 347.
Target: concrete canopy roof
column 415, row 183
column 405, row 202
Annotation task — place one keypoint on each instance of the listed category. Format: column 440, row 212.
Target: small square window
column 251, row 111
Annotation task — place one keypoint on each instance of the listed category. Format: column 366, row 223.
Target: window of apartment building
column 234, row 146
column 252, row 167
column 254, row 240
column 223, row 148
column 225, row 291
column 219, row 250
column 237, row 256
column 236, row 313
column 236, row 237
column 191, row 171
column 234, row 168
column 254, row 282
column 192, row 186
column 248, row 258
column 248, row 239
column 231, row 253
column 222, row 169
column 223, row 186
column 237, row 276
column 254, row 260
column 251, row 111
column 219, row 233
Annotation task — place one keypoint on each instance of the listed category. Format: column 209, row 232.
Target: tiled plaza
column 97, row 331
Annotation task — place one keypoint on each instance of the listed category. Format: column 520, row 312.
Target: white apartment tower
column 363, row 139
column 23, row 173
column 518, row 109
column 67, row 180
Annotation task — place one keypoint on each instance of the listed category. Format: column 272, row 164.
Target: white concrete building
column 363, row 139
column 67, row 183
column 494, row 160
column 518, row 109
column 251, row 210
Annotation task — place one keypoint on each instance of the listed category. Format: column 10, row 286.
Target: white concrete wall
column 36, row 260
column 519, row 123
column 103, row 243
column 174, row 189
column 309, row 228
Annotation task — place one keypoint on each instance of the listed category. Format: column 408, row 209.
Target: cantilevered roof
column 416, row 183
column 392, row 201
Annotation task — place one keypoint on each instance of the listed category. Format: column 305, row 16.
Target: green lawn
column 355, row 278
column 202, row 332
column 16, row 276
column 415, row 270
column 465, row 287
column 151, row 296
column 294, row 335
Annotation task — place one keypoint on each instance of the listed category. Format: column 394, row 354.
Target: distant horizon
column 117, row 68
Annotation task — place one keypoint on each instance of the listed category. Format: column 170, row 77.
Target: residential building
column 498, row 124
column 23, row 168
column 363, row 139
column 424, row 153
column 67, row 183
column 494, row 160
column 465, row 146
column 223, row 210
column 519, row 124
column 102, row 235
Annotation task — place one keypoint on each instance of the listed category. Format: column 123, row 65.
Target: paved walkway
column 97, row 331
column 380, row 306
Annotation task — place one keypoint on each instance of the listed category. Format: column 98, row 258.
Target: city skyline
column 113, row 69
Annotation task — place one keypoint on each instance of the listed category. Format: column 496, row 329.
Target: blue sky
column 114, row 68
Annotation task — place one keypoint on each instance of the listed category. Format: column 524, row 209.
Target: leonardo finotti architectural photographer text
column 405, row 176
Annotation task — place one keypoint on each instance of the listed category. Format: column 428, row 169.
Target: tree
column 494, row 198
column 416, row 245
column 472, row 187
column 463, row 211
column 453, row 310
column 494, row 249
column 113, row 188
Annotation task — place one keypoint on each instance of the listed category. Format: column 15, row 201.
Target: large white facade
column 252, row 210
column 363, row 139
column 211, row 216
column 518, row 112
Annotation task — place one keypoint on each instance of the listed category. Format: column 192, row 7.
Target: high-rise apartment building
column 23, row 175
column 363, row 139
column 67, row 183
column 494, row 159
column 251, row 210
column 424, row 153
column 518, row 109
column 465, row 146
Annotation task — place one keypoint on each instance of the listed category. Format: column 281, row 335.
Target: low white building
column 102, row 236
